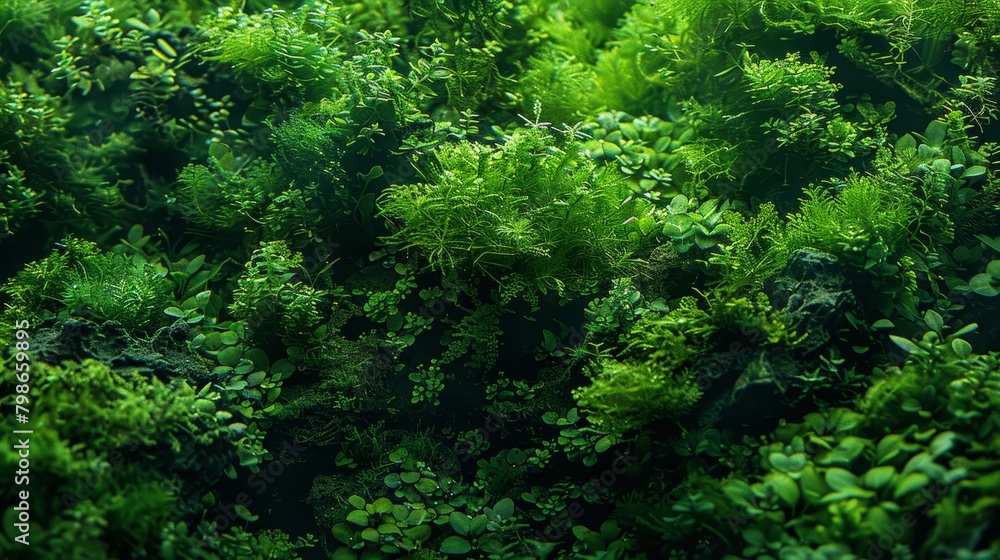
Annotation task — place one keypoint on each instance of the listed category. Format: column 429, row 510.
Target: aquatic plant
column 599, row 279
column 533, row 206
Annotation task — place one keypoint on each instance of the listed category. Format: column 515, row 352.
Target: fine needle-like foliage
column 534, row 206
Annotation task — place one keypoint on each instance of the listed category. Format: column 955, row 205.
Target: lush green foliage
column 534, row 207
column 613, row 279
column 78, row 279
column 112, row 465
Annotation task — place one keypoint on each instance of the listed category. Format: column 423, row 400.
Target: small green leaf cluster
column 225, row 195
column 275, row 295
column 754, row 249
column 579, row 442
column 619, row 309
column 17, row 201
column 644, row 149
column 864, row 224
column 819, row 121
column 941, row 373
column 626, row 396
column 608, row 542
column 834, row 482
column 550, row 501
column 388, row 306
column 653, row 381
column 123, row 408
column 476, row 335
column 415, row 482
column 105, row 464
column 686, row 223
column 292, row 54
column 472, row 531
column 987, row 283
column 429, row 382
column 381, row 529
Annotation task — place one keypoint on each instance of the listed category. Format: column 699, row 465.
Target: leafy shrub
column 79, row 279
column 534, row 206
column 274, row 296
column 627, row 395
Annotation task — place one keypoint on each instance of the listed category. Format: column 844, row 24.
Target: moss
column 532, row 206
column 80, row 279
column 628, row 396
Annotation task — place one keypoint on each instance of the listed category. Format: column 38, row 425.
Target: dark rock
column 813, row 290
column 166, row 356
column 746, row 381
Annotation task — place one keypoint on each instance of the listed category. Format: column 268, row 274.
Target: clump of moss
column 79, row 279
column 534, row 206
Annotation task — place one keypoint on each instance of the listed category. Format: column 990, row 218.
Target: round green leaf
column 910, row 483
column 783, row 485
column 370, row 535
column 344, row 553
column 425, row 486
column 419, row 533
column 460, row 522
column 255, row 378
column 878, row 477
column 504, row 508
column 358, row 517
column 788, row 463
column 455, row 545
column 678, row 225
column 259, row 358
column 993, row 269
column 604, row 444
column 962, row 348
column 399, row 455
column 983, row 285
column 230, row 356
column 357, row 502
column 409, row 477
column 840, row 479
column 283, row 367
column 416, row 517
column 389, row 529
column 343, row 533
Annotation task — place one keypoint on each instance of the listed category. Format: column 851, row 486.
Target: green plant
column 626, row 396
column 476, row 335
column 18, row 202
column 609, row 543
column 987, row 283
column 472, row 531
column 226, row 195
column 579, row 442
column 519, row 208
column 294, row 54
column 80, row 279
column 276, row 295
column 643, row 148
column 550, row 502
column 701, row 227
column 428, row 384
column 381, row 529
column 105, row 480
